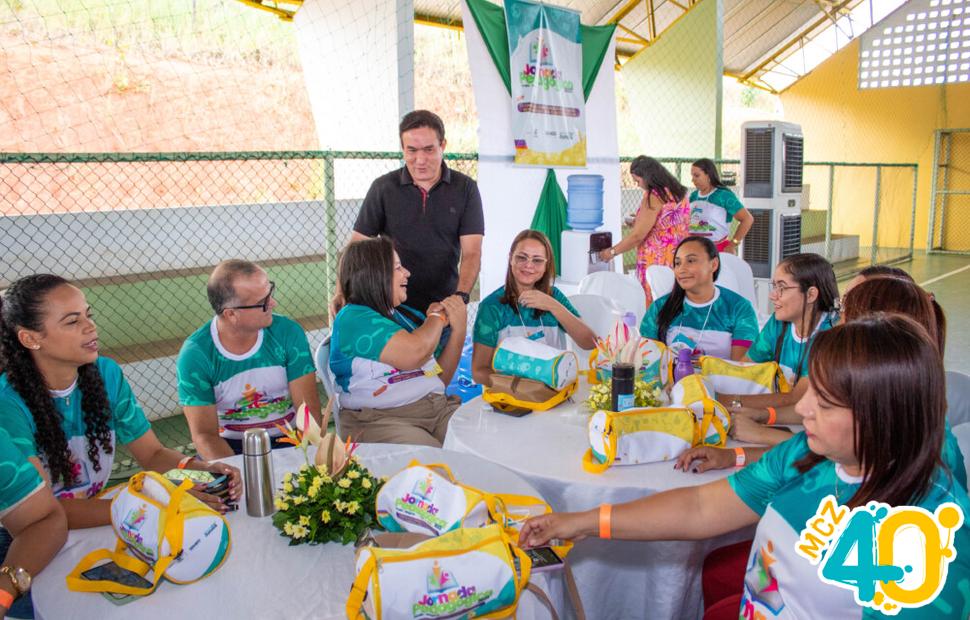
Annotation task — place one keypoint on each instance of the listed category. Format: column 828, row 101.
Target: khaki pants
column 423, row 422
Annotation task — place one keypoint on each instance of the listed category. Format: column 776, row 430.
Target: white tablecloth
column 616, row 579
column 264, row 577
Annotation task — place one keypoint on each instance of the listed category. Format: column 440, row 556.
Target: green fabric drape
column 550, row 215
column 490, row 19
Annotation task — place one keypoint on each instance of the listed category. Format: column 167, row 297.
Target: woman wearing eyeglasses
column 528, row 305
column 67, row 408
column 390, row 368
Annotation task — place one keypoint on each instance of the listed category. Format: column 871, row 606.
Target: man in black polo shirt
column 431, row 212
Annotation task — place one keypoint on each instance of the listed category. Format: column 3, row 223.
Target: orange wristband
column 6, row 599
column 439, row 315
column 772, row 415
column 185, row 461
column 739, row 458
column 606, row 521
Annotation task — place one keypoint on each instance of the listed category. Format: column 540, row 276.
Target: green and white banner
column 546, row 62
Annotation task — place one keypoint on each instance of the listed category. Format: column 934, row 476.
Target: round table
column 616, row 579
column 264, row 577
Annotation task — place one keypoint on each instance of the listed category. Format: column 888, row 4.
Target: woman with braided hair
column 66, row 408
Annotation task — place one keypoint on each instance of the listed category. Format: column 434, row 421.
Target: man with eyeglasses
column 431, row 212
column 245, row 368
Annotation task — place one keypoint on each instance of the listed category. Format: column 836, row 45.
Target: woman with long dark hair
column 697, row 314
column 713, row 206
column 390, row 371
column 67, row 407
column 874, row 432
column 661, row 220
column 528, row 305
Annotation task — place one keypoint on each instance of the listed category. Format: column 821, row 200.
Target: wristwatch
column 735, row 404
column 19, row 577
column 463, row 295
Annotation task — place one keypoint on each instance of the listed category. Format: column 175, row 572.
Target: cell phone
column 117, row 574
column 543, row 559
column 515, row 413
column 218, row 486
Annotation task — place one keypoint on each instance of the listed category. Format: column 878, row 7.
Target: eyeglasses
column 262, row 305
column 779, row 288
column 522, row 259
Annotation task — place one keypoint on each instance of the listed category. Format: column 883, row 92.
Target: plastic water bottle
column 683, row 367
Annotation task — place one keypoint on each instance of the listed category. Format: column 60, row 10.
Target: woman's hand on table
column 744, row 428
column 574, row 526
column 704, row 458
column 216, row 468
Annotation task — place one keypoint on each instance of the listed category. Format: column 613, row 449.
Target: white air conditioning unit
column 771, row 190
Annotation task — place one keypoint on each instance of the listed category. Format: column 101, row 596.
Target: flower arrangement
column 645, row 394
column 330, row 500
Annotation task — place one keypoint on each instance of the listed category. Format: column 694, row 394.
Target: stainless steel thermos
column 258, row 473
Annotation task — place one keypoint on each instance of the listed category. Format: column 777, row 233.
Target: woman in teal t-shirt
column 803, row 294
column 34, row 528
column 874, row 430
column 697, row 314
column 713, row 206
column 528, row 306
column 67, row 408
column 390, row 371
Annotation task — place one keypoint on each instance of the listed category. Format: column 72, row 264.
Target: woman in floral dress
column 661, row 221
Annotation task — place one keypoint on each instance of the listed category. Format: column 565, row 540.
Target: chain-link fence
column 949, row 229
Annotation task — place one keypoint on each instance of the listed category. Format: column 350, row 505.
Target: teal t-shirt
column 712, row 328
column 359, row 336
column 711, row 215
column 18, row 477
column 496, row 321
column 250, row 390
column 779, row 583
column 127, row 423
column 793, row 357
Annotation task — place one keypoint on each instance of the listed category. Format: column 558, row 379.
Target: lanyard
column 703, row 327
column 538, row 334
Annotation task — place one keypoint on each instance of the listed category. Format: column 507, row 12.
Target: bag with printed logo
column 426, row 499
column 730, row 377
column 160, row 528
column 651, row 434
column 469, row 572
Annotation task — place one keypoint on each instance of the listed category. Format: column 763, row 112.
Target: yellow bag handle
column 707, row 421
column 358, row 590
column 173, row 532
column 500, row 398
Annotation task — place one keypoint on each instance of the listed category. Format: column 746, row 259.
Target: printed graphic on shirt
column 259, row 397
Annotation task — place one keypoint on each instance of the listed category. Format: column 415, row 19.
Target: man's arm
column 204, row 427
column 304, row 390
column 471, row 261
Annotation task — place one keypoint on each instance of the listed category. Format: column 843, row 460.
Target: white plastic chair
column 957, row 398
column 736, row 275
column 624, row 290
column 321, row 359
column 600, row 314
column 660, row 279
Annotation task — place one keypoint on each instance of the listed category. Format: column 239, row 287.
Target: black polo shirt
column 425, row 227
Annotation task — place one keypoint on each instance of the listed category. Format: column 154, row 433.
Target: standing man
column 247, row 367
column 431, row 212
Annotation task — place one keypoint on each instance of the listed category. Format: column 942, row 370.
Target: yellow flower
column 300, row 531
column 352, row 508
column 280, row 504
column 288, row 477
column 287, row 487
column 353, row 474
column 343, row 483
column 366, row 483
column 288, row 528
column 299, row 499
column 312, row 492
column 304, row 520
column 322, row 470
column 339, row 505
column 304, row 468
column 325, row 516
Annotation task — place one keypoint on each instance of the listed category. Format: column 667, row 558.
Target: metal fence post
column 912, row 217
column 875, row 218
column 931, row 229
column 828, row 215
column 330, row 224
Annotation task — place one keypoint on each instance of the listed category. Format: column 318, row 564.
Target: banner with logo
column 548, row 104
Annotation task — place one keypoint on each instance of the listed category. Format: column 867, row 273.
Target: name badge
column 539, row 335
